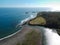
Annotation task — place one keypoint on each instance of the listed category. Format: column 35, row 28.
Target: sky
column 29, row 3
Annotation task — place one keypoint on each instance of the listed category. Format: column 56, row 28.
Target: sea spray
column 52, row 38
column 27, row 19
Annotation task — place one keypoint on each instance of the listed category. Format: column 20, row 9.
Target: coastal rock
column 47, row 19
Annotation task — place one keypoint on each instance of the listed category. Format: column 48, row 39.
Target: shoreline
column 20, row 24
column 19, row 37
column 10, row 35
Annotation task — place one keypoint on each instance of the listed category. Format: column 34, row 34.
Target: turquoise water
column 11, row 17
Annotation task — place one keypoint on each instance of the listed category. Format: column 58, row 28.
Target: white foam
column 27, row 19
column 10, row 35
column 52, row 38
column 31, row 16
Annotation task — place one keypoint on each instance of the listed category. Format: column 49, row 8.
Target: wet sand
column 19, row 37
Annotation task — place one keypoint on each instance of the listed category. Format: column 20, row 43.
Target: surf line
column 22, row 22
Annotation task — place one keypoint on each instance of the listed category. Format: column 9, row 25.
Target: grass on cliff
column 38, row 20
column 31, row 38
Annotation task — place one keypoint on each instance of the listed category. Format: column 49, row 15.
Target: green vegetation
column 38, row 20
column 52, row 19
column 31, row 38
column 47, row 19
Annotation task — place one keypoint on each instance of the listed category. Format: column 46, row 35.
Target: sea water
column 11, row 17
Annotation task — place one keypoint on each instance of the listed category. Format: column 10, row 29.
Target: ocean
column 11, row 17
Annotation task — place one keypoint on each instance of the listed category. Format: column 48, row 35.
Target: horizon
column 28, row 3
column 53, row 4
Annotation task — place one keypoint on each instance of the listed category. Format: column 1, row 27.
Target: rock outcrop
column 47, row 19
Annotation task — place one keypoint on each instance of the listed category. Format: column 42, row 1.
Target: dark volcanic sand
column 20, row 36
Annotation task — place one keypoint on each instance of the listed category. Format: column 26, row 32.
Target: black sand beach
column 19, row 37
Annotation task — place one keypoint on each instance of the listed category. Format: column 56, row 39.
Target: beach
column 19, row 37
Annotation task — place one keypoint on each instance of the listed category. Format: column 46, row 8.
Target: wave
column 10, row 35
column 22, row 22
column 52, row 38
column 27, row 19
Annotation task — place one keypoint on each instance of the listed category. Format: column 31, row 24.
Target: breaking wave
column 27, row 19
column 22, row 22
